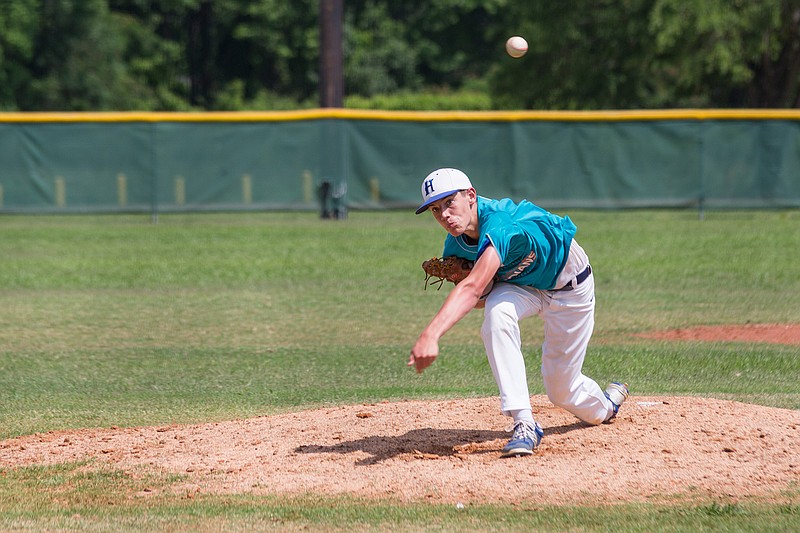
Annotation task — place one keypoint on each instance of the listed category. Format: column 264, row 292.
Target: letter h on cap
column 429, row 187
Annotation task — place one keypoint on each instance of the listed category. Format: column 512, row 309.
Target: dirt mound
column 448, row 451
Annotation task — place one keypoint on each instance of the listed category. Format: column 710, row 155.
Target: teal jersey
column 533, row 244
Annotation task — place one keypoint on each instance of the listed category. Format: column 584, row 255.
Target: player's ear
column 472, row 195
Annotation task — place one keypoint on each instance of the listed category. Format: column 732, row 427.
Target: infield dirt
column 448, row 451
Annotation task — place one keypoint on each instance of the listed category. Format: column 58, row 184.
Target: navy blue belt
column 580, row 278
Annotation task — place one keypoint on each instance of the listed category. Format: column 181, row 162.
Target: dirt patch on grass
column 769, row 333
column 658, row 449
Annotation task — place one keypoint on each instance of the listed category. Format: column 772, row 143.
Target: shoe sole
column 517, row 452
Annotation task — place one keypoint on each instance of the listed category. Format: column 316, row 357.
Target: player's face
column 454, row 213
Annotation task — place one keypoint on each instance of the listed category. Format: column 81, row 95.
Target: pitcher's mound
column 658, row 449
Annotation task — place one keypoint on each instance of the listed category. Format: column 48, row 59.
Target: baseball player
column 530, row 262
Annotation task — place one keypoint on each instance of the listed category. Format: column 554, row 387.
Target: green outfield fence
column 167, row 162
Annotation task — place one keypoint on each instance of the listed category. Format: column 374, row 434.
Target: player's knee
column 559, row 392
column 595, row 421
column 562, row 395
column 558, row 395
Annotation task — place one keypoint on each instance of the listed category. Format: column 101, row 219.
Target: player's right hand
column 423, row 354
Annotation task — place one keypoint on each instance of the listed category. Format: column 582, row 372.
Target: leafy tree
column 416, row 44
column 270, row 49
column 222, row 53
column 653, row 54
column 379, row 59
column 76, row 61
column 154, row 57
column 18, row 22
column 584, row 54
column 432, row 54
column 729, row 53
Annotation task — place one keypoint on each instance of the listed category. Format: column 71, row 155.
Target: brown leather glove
column 453, row 269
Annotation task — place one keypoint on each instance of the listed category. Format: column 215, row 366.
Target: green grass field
column 112, row 320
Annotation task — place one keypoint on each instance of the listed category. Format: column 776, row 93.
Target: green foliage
column 236, row 96
column 743, row 53
column 378, row 57
column 264, row 54
column 582, row 55
column 652, row 54
column 75, row 58
column 18, row 21
column 463, row 100
column 271, row 45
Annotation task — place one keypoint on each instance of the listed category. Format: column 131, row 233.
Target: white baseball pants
column 568, row 318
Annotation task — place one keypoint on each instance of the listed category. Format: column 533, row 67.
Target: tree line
column 183, row 55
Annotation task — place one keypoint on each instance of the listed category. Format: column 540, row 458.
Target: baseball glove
column 452, row 268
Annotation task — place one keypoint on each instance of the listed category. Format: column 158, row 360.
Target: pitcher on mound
column 529, row 261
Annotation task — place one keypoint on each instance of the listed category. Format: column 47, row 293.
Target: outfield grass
column 111, row 320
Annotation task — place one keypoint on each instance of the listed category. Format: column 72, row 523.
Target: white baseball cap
column 440, row 184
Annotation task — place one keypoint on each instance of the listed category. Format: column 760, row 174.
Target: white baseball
column 516, row 46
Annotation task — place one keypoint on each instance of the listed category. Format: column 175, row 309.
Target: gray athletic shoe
column 616, row 393
column 525, row 439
